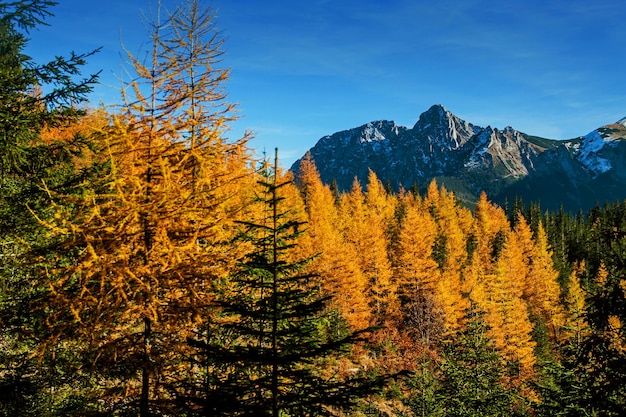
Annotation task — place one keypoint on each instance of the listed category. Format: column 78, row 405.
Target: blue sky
column 302, row 70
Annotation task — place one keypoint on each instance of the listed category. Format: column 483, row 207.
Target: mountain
column 468, row 159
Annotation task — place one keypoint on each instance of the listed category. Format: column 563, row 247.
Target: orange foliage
column 336, row 261
column 365, row 227
column 575, row 326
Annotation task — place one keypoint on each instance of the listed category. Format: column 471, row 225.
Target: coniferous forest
column 149, row 266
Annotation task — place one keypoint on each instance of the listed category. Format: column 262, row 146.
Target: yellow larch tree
column 601, row 276
column 575, row 326
column 93, row 121
column 365, row 230
column 473, row 281
column 490, row 227
column 335, row 261
column 379, row 212
column 431, row 199
column 147, row 244
column 449, row 253
column 507, row 312
column 452, row 301
column 451, row 220
column 381, row 205
column 416, row 270
column 542, row 287
column 453, row 224
column 522, row 238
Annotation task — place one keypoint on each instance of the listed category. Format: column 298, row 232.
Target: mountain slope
column 468, row 159
column 578, row 174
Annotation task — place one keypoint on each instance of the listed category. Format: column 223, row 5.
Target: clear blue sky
column 305, row 69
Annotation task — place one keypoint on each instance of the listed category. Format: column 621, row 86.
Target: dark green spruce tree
column 587, row 376
column 472, row 374
column 266, row 354
column 33, row 96
column 600, row 362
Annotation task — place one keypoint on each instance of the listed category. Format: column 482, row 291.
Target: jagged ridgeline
column 507, row 164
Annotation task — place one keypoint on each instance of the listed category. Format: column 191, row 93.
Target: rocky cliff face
column 469, row 159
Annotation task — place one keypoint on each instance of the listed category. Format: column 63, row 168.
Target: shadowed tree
column 472, row 374
column 267, row 352
column 601, row 359
column 34, row 97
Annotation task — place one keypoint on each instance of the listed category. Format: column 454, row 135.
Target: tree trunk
column 144, row 406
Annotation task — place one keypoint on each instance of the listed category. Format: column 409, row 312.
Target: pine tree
column 424, row 382
column 472, row 375
column 264, row 357
column 602, row 356
column 34, row 98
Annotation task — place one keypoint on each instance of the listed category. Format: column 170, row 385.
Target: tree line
column 151, row 266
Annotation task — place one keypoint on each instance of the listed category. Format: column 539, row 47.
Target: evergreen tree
column 472, row 374
column 423, row 400
column 34, row 98
column 562, row 389
column 267, row 353
column 602, row 356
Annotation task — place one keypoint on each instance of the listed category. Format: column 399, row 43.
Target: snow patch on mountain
column 372, row 133
column 481, row 143
column 588, row 153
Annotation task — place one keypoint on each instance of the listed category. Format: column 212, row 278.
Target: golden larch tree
column 365, row 230
column 147, row 243
column 575, row 326
column 507, row 312
column 542, row 284
column 379, row 213
column 490, row 227
column 336, row 262
column 416, row 270
column 451, row 221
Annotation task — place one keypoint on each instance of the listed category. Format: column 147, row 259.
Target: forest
column 152, row 267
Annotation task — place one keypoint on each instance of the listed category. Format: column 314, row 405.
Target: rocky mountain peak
column 378, row 130
column 443, row 129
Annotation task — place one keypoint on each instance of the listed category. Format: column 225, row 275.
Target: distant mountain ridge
column 468, row 159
